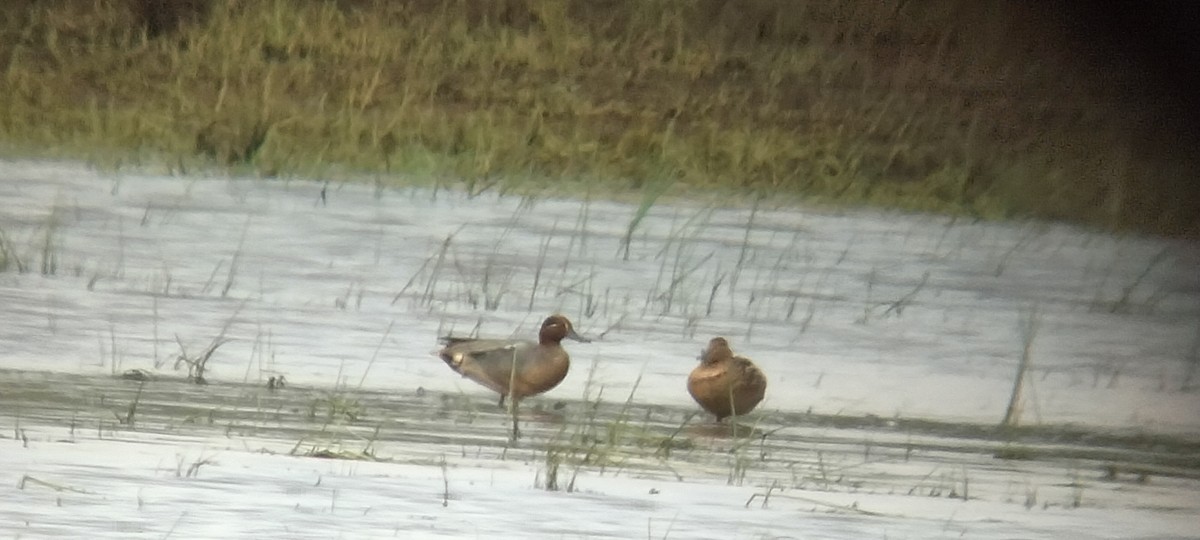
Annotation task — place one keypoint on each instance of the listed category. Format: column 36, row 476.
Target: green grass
column 938, row 106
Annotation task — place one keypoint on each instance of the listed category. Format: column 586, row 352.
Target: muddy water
column 159, row 454
column 888, row 340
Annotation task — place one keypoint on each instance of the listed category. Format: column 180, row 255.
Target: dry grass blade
column 197, row 365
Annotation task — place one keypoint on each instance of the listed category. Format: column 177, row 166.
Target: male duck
column 724, row 384
column 514, row 368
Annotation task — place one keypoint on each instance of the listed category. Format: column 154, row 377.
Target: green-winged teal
column 538, row 366
column 724, row 384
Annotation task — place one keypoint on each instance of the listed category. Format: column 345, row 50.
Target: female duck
column 724, row 384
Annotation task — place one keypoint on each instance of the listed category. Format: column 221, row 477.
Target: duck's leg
column 512, row 403
column 516, row 432
column 512, row 411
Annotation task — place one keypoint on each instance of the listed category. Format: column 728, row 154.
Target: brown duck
column 724, row 384
column 514, row 368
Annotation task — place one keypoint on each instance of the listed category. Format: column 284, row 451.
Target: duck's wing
column 737, row 371
column 476, row 342
column 478, row 348
column 488, row 362
column 745, row 373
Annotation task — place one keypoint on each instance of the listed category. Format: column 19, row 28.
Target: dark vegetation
column 987, row 108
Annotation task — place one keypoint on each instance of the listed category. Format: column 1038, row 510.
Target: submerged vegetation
column 985, row 108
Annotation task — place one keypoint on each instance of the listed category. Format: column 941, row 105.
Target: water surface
column 879, row 332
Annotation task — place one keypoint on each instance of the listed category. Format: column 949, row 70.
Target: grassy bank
column 979, row 107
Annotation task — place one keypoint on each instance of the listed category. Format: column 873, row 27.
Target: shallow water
column 115, row 458
column 889, row 316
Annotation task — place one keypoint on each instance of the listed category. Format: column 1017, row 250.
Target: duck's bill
column 572, row 334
